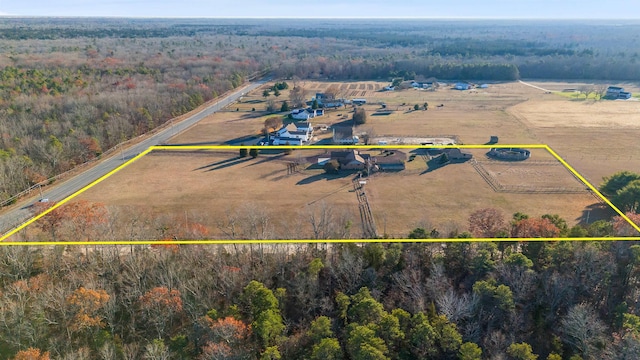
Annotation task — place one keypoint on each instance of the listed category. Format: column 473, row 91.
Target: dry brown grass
column 445, row 198
column 473, row 116
column 214, row 183
column 596, row 138
column 581, row 114
column 531, row 175
column 221, row 127
column 596, row 153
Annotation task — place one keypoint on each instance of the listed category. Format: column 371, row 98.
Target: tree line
column 463, row 300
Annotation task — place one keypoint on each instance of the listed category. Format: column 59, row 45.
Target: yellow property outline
column 309, row 241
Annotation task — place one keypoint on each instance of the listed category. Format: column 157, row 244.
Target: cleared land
column 540, row 173
column 596, row 138
column 212, row 185
column 444, row 198
column 531, row 175
column 473, row 116
column 580, row 113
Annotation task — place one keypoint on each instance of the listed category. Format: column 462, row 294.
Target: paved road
column 21, row 212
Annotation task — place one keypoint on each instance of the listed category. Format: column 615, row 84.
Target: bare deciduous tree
column 456, row 306
column 584, row 331
column 297, row 96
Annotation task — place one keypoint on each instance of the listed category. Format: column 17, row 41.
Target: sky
column 537, row 9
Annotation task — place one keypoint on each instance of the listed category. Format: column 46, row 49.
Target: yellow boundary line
column 69, row 198
column 311, row 241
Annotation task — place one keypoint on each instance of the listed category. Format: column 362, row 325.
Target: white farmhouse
column 303, row 114
column 293, row 134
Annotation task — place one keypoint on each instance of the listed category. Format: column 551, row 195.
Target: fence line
column 524, row 189
column 366, row 216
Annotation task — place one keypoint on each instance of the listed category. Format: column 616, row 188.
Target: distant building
column 327, row 101
column 421, row 85
column 293, row 134
column 509, row 154
column 305, row 114
column 359, row 101
column 457, row 155
column 615, row 92
column 344, row 135
column 453, row 155
column 305, row 127
column 462, row 86
column 350, row 160
column 390, row 160
column 286, row 141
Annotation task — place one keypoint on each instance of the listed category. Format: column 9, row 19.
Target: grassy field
column 444, row 198
column 211, row 185
column 473, row 116
column 597, row 138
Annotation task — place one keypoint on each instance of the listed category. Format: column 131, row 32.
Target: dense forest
column 503, row 300
column 71, row 89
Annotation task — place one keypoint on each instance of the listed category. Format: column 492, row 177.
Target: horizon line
column 316, row 17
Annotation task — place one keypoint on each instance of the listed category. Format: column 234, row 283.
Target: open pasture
column 597, row 138
column 445, row 197
column 471, row 115
column 558, row 112
column 215, row 186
